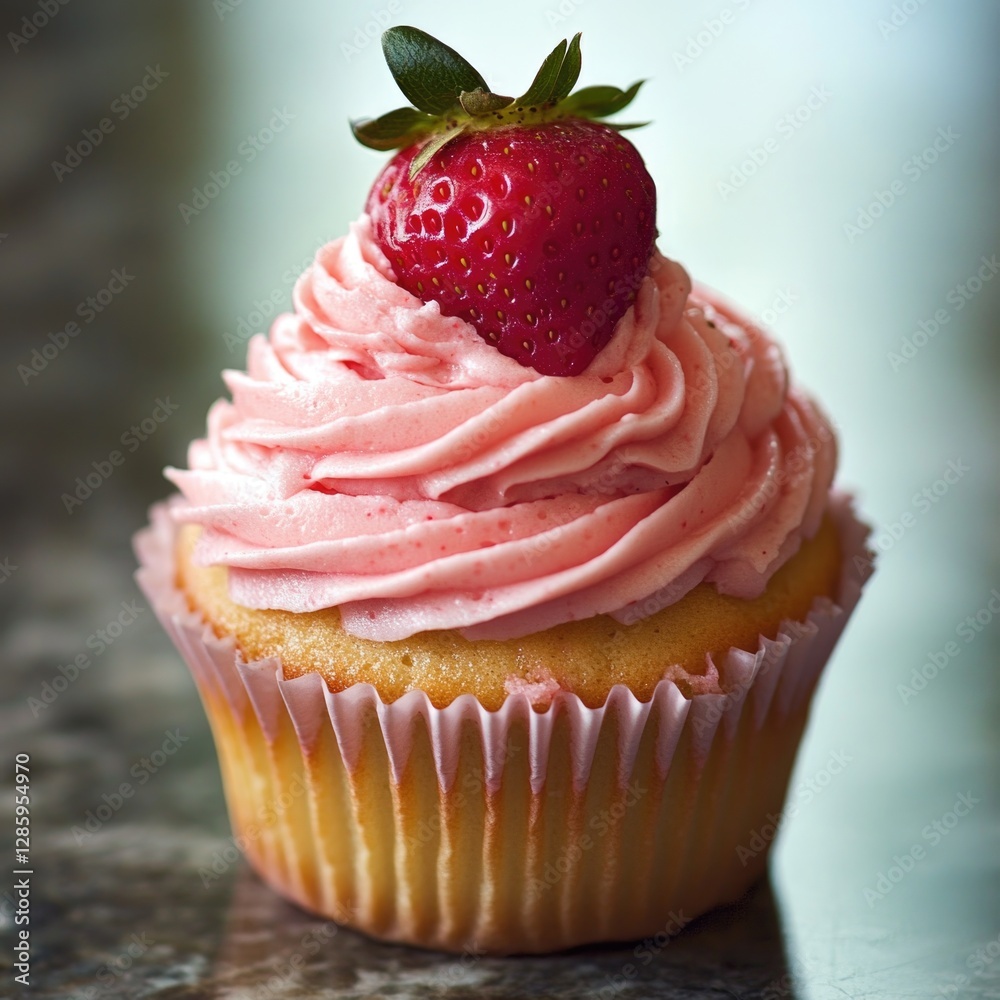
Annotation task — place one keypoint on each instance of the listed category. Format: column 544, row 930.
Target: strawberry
column 527, row 218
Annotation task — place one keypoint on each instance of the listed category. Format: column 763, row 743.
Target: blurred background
column 166, row 172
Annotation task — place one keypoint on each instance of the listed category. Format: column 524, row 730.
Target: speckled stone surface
column 238, row 939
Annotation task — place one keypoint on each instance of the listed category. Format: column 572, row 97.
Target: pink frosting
column 382, row 458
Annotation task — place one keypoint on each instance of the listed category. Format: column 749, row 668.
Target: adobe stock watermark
column 668, row 594
column 98, row 642
column 784, row 985
column 88, row 310
column 563, row 11
column 260, row 313
column 121, row 107
column 284, row 973
column 573, row 854
column 705, row 722
column 787, row 126
column 132, row 439
column 142, row 770
column 889, row 535
column 913, row 169
column 805, row 792
column 978, row 963
column 246, row 152
column 223, row 8
column 558, row 529
column 38, row 21
column 577, row 337
column 371, row 30
column 711, row 30
column 268, row 813
column 776, row 308
column 958, row 298
column 7, row 569
column 454, row 973
column 968, row 629
column 267, row 308
column 644, row 953
column 473, row 786
column 774, row 654
column 116, row 967
column 931, row 836
column 899, row 17
column 797, row 462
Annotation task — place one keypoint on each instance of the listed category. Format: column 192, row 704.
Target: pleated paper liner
column 514, row 830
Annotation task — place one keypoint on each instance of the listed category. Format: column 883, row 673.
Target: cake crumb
column 695, row 684
column 538, row 685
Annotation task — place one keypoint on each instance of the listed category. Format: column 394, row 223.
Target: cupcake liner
column 513, row 830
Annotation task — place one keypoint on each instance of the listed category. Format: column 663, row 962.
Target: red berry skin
column 538, row 235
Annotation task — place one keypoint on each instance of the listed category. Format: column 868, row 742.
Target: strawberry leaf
column 449, row 96
column 544, row 83
column 626, row 126
column 394, row 130
column 598, row 102
column 480, row 102
column 434, row 145
column 569, row 72
column 429, row 73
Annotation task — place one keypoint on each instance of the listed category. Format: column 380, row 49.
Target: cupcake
column 508, row 572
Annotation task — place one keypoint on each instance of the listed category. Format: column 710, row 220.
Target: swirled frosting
column 379, row 457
